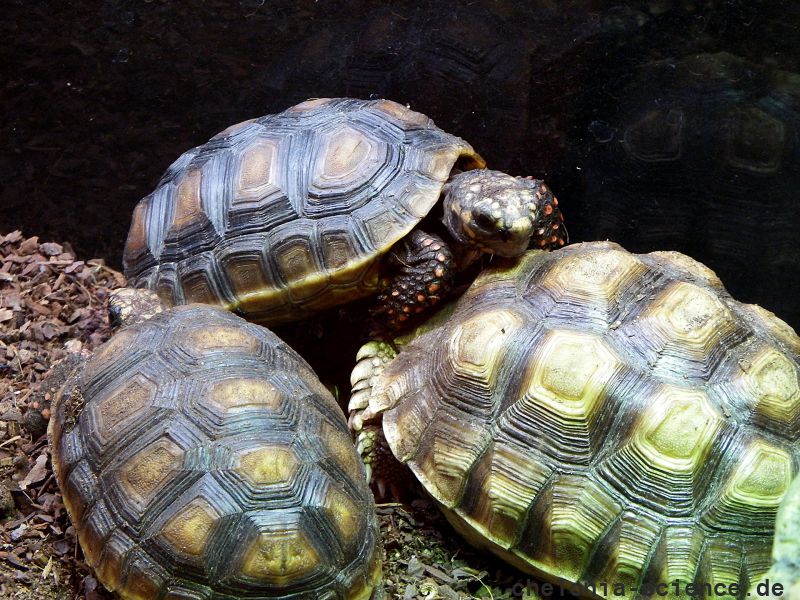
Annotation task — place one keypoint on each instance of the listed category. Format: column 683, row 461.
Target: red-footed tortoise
column 332, row 200
column 600, row 417
column 200, row 459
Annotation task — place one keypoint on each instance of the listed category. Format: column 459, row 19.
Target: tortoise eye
column 485, row 221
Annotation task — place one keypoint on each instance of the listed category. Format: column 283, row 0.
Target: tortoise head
column 500, row 214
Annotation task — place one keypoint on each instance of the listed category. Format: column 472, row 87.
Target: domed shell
column 201, row 459
column 593, row 415
column 286, row 215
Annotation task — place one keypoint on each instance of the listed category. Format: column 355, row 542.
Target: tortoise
column 200, row 459
column 596, row 417
column 281, row 217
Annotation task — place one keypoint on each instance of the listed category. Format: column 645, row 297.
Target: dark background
column 661, row 125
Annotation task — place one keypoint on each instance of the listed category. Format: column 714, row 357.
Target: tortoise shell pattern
column 599, row 416
column 209, row 463
column 283, row 216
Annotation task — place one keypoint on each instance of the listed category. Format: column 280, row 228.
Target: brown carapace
column 200, row 458
column 284, row 216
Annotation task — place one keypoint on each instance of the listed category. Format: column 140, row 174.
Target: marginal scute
column 296, row 262
column 510, row 479
column 199, row 285
column 579, row 520
column 629, row 544
column 453, row 447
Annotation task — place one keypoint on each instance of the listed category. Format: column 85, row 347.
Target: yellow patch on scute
column 594, row 275
column 341, row 450
column 677, row 431
column 343, row 513
column 346, row 150
column 568, row 376
column 268, row 465
column 241, row 392
column 189, row 529
column 401, row 113
column 309, row 104
column 188, row 206
column 149, row 470
column 123, row 403
column 690, row 314
column 257, row 167
column 477, row 346
column 219, row 337
column 773, row 380
column 762, row 477
column 278, row 557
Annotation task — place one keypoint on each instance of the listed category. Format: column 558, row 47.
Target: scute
column 593, row 415
column 213, row 465
column 245, row 220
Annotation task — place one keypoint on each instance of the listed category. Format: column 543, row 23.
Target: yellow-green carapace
column 599, row 418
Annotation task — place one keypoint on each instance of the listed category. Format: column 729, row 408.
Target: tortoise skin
column 286, row 215
column 200, row 459
column 592, row 415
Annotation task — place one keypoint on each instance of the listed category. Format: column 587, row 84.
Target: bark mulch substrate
column 52, row 305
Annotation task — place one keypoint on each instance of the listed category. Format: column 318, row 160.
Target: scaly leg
column 425, row 271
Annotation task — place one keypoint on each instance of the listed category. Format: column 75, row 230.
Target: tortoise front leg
column 425, row 269
column 388, row 478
